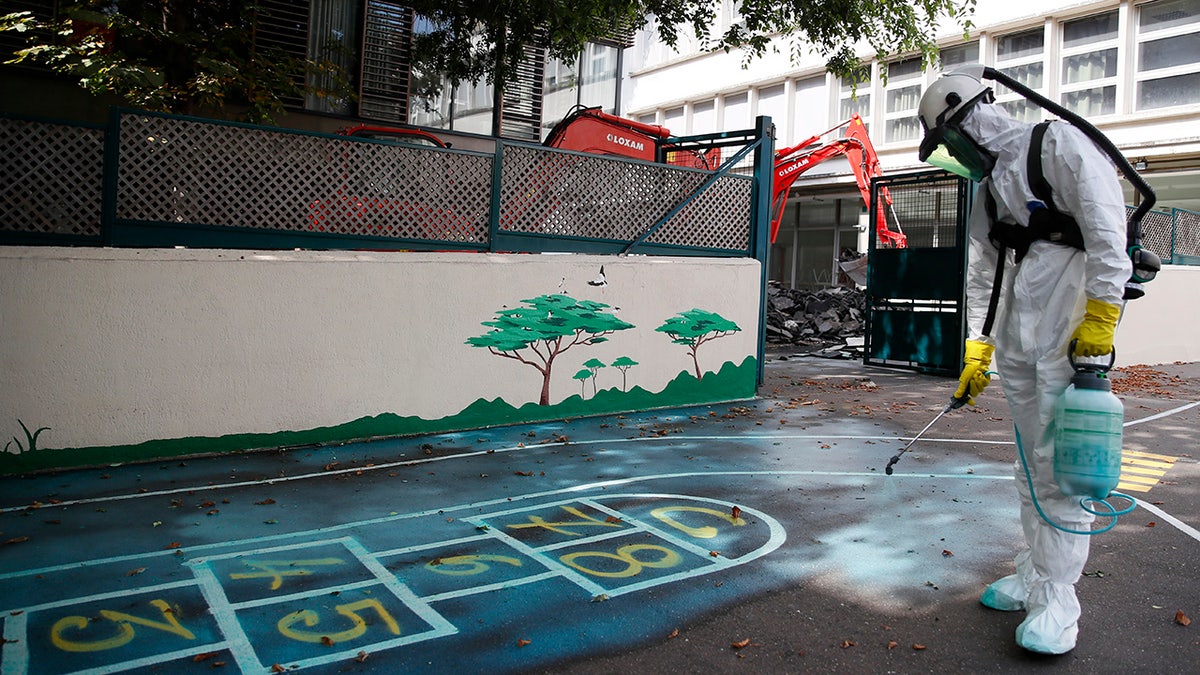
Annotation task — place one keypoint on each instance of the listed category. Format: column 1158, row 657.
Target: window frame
column 1111, row 42
column 1139, row 76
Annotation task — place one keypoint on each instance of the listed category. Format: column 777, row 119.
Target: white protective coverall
column 1041, row 304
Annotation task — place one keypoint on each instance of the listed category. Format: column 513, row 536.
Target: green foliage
column 545, row 327
column 478, row 41
column 174, row 56
column 623, row 364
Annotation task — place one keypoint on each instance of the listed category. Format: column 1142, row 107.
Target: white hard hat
column 943, row 106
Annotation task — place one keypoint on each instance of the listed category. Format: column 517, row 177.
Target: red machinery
column 793, row 161
column 594, row 131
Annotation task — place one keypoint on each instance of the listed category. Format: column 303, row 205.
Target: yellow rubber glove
column 976, row 359
column 1094, row 337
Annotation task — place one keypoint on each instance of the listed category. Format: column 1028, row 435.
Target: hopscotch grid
column 342, row 541
column 239, row 643
column 123, row 593
column 590, row 539
column 148, row 660
column 391, row 553
column 548, row 562
column 14, row 658
column 663, row 534
column 487, row 588
column 291, row 597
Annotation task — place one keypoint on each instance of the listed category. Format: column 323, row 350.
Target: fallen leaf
column 216, row 664
column 846, row 644
column 522, row 642
column 741, row 644
column 276, row 668
column 204, row 657
column 330, row 466
column 892, row 644
column 674, row 633
column 612, row 519
column 362, row 656
column 206, row 505
column 134, row 573
column 918, row 646
column 715, row 554
column 946, row 553
column 1150, row 524
column 173, row 544
column 600, row 598
column 1182, row 619
column 266, row 501
column 326, row 640
column 523, row 473
column 737, row 513
column 17, row 540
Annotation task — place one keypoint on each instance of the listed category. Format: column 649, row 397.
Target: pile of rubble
column 825, row 320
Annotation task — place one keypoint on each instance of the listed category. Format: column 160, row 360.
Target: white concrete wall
column 1164, row 325
column 121, row 346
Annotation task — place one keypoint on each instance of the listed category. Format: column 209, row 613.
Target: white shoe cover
column 1007, row 594
column 1053, row 621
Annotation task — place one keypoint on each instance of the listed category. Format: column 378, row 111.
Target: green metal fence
column 156, row 180
column 1173, row 234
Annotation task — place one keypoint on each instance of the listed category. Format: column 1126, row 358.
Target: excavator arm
column 793, row 161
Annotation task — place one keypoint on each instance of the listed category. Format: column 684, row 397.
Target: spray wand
column 954, row 404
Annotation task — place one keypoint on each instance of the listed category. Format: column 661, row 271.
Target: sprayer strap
column 1001, row 255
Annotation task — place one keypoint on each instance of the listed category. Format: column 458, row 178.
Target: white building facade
column 1130, row 67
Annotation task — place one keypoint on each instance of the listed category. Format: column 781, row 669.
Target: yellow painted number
column 358, row 625
column 706, row 532
column 125, row 631
column 626, row 555
column 464, row 565
column 562, row 525
column 276, row 570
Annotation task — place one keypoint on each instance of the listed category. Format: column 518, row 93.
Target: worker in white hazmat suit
column 1051, row 298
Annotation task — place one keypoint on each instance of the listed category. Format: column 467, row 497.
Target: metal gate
column 916, row 299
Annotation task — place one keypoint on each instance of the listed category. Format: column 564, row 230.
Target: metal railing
column 157, row 180
column 1173, row 234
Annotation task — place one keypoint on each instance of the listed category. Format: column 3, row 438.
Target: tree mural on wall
column 695, row 327
column 623, row 364
column 593, row 366
column 583, row 375
column 545, row 327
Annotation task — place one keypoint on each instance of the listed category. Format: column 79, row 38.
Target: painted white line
column 477, row 453
column 147, row 661
column 123, row 593
column 499, row 585
column 1165, row 413
column 227, row 622
column 14, row 657
column 584, row 487
column 1179, row 524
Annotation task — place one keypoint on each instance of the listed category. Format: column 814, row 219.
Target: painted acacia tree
column 178, row 56
column 696, row 327
column 593, row 366
column 544, row 328
column 623, row 364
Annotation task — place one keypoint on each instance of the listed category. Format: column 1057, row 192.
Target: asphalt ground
column 761, row 536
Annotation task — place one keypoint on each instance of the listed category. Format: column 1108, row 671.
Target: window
column 855, row 96
column 590, row 81
column 902, row 95
column 954, row 57
column 1089, row 65
column 1020, row 57
column 704, row 117
column 774, row 104
column 737, row 112
column 1168, row 54
column 810, row 112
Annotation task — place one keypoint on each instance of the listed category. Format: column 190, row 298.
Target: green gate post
column 760, row 221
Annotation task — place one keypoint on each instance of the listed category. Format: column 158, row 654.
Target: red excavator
column 594, row 131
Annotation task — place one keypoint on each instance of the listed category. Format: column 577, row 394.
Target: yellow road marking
column 1141, row 471
column 1150, row 455
column 1133, row 488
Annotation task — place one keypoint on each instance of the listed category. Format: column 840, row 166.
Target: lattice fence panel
column 555, row 193
column 1156, row 232
column 50, row 178
column 184, row 171
column 1187, row 233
